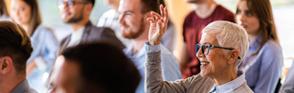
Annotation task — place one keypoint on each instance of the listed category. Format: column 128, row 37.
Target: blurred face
column 68, row 80
column 20, row 12
column 247, row 19
column 213, row 60
column 131, row 18
column 72, row 11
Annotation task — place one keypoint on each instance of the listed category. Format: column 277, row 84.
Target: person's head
column 26, row 12
column 3, row 8
column 15, row 49
column 257, row 18
column 222, row 47
column 76, row 11
column 132, row 13
column 97, row 68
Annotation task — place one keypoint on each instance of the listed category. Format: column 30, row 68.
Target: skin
column 218, row 64
column 132, row 23
column 76, row 15
column 131, row 19
column 203, row 8
column 246, row 19
column 21, row 13
column 9, row 78
column 68, row 78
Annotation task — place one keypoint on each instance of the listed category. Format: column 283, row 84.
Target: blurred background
column 283, row 13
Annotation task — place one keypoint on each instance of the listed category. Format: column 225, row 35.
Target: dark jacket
column 94, row 34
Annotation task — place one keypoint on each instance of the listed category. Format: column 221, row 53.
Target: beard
column 135, row 34
column 75, row 19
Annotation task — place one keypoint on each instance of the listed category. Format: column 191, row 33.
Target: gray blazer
column 94, row 34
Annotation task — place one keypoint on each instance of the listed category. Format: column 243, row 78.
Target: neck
column 251, row 37
column 139, row 42
column 205, row 9
column 26, row 28
column 225, row 77
column 78, row 25
column 7, row 85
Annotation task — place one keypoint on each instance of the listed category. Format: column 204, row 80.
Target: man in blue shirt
column 134, row 27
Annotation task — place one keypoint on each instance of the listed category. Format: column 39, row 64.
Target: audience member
column 76, row 13
column 133, row 26
column 26, row 13
column 110, row 19
column 264, row 60
column 15, row 50
column 221, row 49
column 205, row 12
column 97, row 68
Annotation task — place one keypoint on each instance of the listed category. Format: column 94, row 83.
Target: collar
column 22, row 87
column 230, row 86
column 254, row 44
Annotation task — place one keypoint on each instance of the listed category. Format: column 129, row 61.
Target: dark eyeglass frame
column 203, row 47
column 69, row 2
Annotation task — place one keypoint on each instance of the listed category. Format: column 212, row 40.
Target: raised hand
column 157, row 25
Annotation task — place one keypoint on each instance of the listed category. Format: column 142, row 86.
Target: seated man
column 96, row 68
column 221, row 49
column 15, row 49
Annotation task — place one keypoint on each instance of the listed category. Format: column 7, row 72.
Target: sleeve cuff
column 152, row 48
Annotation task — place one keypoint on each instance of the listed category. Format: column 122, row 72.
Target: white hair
column 229, row 34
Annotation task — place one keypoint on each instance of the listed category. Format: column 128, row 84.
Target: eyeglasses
column 62, row 3
column 205, row 48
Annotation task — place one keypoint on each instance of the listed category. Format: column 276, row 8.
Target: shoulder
column 226, row 14
column 95, row 28
column 221, row 8
column 272, row 47
column 190, row 15
column 44, row 30
column 166, row 53
column 101, row 30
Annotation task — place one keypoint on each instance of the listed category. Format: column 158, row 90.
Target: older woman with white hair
column 221, row 49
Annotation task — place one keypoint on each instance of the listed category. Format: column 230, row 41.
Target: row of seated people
column 263, row 56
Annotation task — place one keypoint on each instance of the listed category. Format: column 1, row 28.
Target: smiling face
column 246, row 18
column 131, row 17
column 215, row 62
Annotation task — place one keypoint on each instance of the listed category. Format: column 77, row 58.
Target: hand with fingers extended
column 157, row 25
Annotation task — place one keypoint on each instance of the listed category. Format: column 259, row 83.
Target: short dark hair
column 103, row 66
column 15, row 43
column 151, row 5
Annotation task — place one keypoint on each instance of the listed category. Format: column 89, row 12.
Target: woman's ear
column 234, row 56
column 6, row 64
